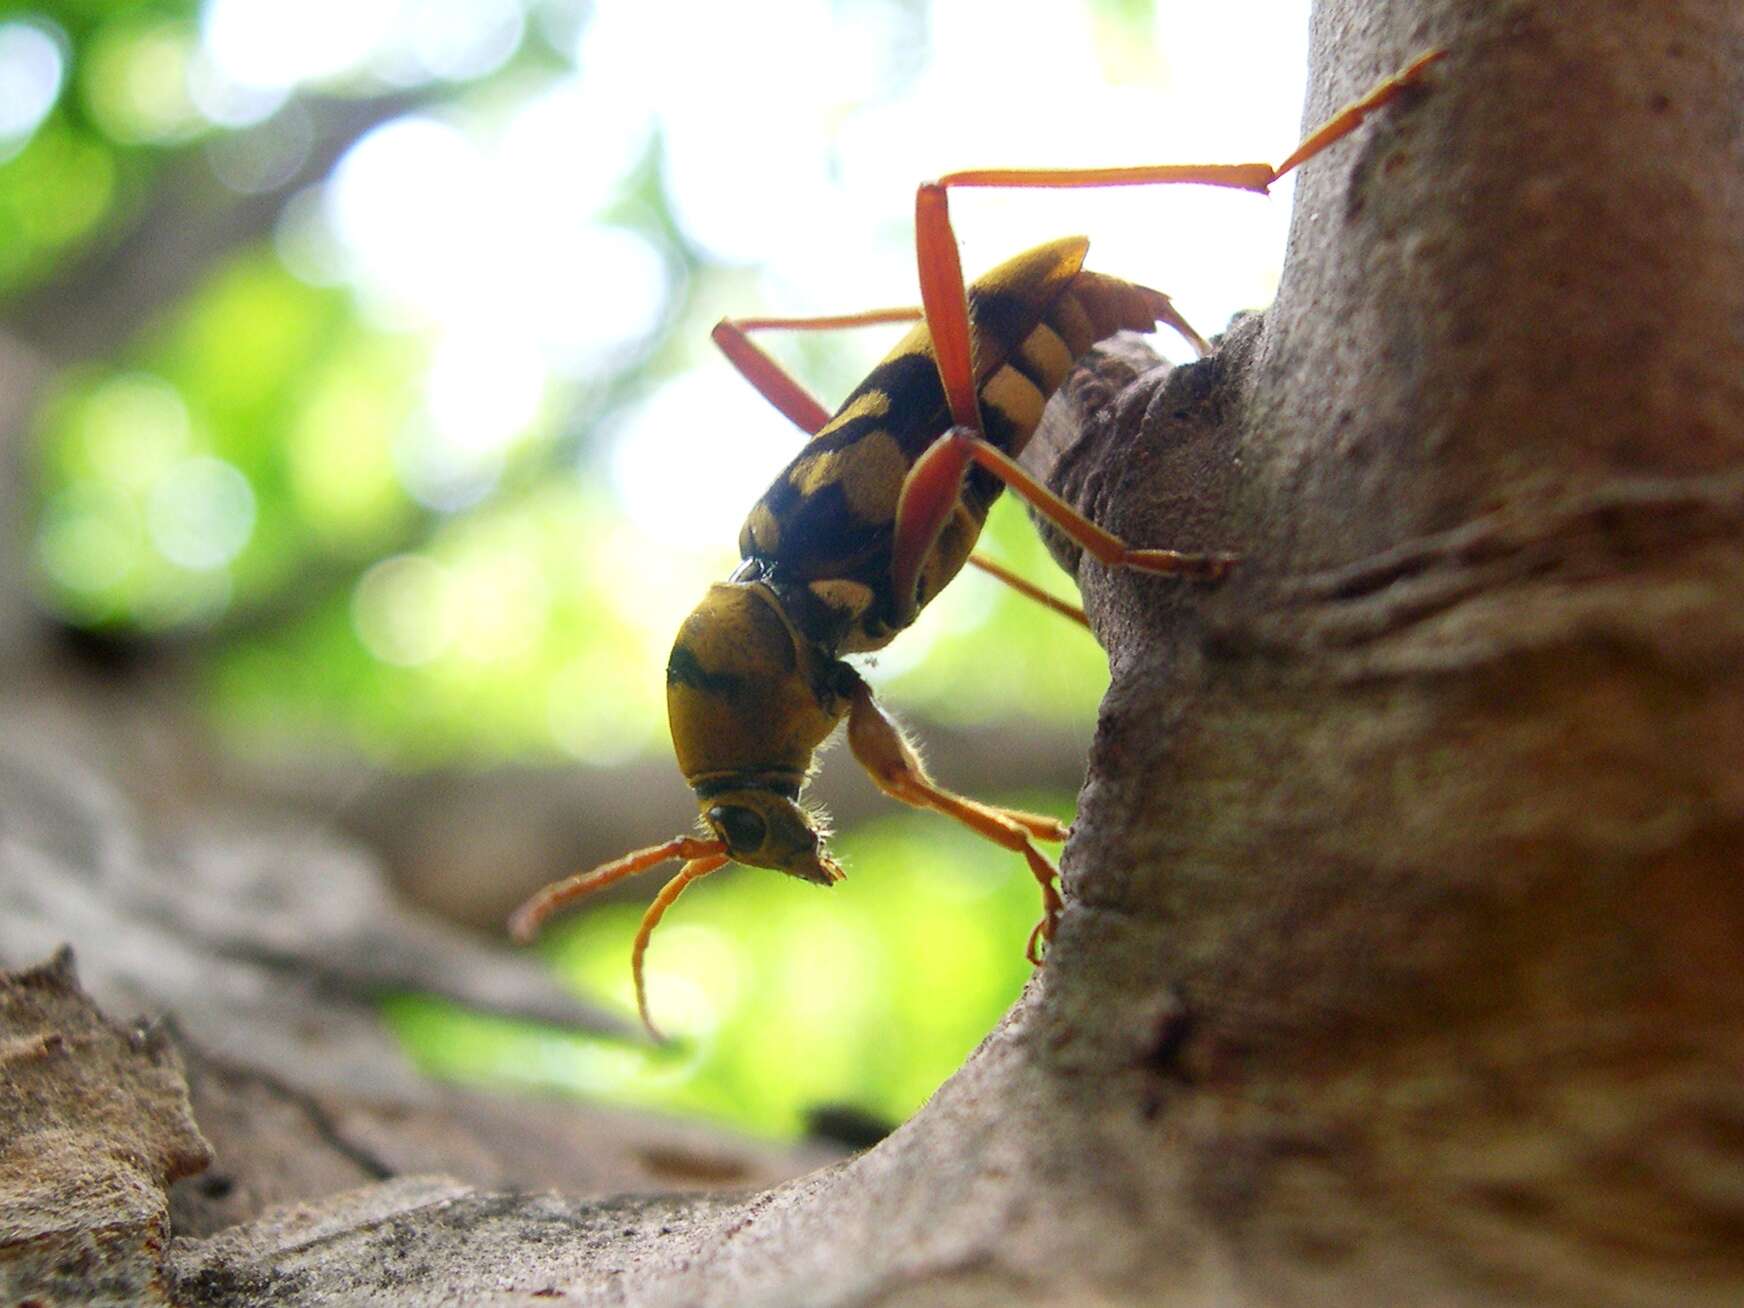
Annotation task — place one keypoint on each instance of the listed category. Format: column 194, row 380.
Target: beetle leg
column 945, row 299
column 1347, row 119
column 941, row 272
column 1247, row 176
column 1102, row 544
column 774, row 382
column 1029, row 588
column 937, row 475
column 931, row 493
column 885, row 752
column 897, row 770
column 932, row 489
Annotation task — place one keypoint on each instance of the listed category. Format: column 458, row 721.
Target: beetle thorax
column 748, row 698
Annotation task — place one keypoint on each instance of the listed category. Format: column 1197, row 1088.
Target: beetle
column 874, row 516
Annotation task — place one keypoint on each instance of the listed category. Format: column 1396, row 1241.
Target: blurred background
column 365, row 448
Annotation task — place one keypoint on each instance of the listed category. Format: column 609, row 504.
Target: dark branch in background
column 190, row 223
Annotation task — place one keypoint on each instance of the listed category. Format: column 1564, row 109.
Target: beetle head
column 762, row 828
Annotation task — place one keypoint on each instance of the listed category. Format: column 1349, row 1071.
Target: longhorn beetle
column 878, row 511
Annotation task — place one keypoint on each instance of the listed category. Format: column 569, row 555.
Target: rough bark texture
column 97, row 1125
column 270, row 942
column 266, row 937
column 1403, row 959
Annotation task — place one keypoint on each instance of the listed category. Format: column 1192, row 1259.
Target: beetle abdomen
column 830, row 515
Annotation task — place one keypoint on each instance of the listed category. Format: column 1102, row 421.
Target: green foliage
column 92, row 161
column 179, row 481
column 55, row 194
column 501, row 637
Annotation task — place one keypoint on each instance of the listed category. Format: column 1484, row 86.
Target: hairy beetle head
column 765, row 829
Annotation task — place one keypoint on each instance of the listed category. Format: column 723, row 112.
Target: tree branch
column 1401, row 960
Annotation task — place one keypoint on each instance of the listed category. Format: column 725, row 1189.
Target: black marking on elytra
column 1002, row 318
column 980, row 489
column 823, row 624
column 820, row 535
column 917, row 413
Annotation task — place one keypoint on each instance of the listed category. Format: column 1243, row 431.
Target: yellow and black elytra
column 824, row 533
column 878, row 511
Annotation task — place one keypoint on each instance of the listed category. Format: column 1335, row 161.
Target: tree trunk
column 1402, row 961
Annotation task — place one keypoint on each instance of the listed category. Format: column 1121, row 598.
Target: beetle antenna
column 530, row 916
column 694, row 870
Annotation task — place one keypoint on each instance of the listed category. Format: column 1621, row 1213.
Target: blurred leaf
column 53, row 195
column 221, row 383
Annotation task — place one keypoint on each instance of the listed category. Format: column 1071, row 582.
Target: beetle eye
column 742, row 827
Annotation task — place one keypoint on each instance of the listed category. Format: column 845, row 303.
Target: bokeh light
column 200, row 513
column 136, row 82
column 31, row 69
column 277, row 44
column 708, row 429
column 403, row 610
column 262, row 160
column 463, row 39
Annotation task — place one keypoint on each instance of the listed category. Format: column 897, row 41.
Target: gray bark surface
column 258, row 948
column 97, row 1126
column 1402, row 961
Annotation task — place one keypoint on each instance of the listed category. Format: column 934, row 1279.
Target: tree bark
column 1402, row 960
